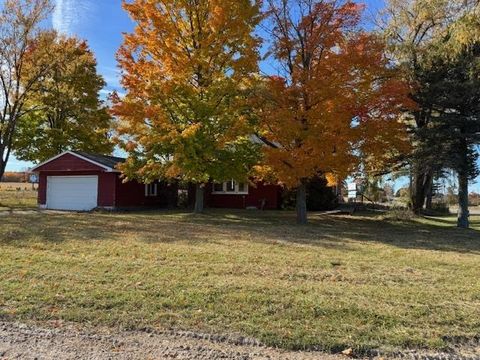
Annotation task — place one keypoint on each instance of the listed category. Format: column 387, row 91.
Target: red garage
column 80, row 181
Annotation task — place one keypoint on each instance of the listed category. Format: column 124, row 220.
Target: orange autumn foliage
column 186, row 69
column 336, row 105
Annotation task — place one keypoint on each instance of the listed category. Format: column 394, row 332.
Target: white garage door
column 72, row 192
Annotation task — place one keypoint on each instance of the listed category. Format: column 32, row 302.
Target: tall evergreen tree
column 451, row 88
column 414, row 28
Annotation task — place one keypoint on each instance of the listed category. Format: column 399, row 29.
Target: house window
column 218, row 187
column 230, row 187
column 241, row 187
column 151, row 190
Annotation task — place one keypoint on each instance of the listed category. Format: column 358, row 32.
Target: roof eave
column 107, row 168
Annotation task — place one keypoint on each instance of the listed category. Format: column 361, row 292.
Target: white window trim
column 225, row 192
column 155, row 190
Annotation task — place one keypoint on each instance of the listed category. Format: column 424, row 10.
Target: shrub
column 441, row 208
column 320, row 197
column 399, row 214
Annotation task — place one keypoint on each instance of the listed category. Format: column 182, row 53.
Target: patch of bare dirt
column 67, row 341
column 60, row 341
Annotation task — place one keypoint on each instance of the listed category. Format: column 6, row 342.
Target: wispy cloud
column 69, row 14
column 111, row 75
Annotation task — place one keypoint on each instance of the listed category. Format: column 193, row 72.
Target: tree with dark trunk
column 301, row 204
column 429, row 200
column 312, row 117
column 463, row 212
column 188, row 69
column 22, row 65
column 413, row 29
column 422, row 185
column 452, row 85
column 199, row 198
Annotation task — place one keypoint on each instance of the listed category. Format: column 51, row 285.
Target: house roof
column 107, row 162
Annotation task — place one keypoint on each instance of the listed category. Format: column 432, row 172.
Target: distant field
column 17, row 195
column 342, row 281
column 474, row 210
column 10, row 186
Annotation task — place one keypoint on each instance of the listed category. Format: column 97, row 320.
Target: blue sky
column 101, row 23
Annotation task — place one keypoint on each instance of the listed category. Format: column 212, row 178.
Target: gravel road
column 62, row 341
column 67, row 341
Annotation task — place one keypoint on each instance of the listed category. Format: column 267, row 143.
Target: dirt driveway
column 59, row 341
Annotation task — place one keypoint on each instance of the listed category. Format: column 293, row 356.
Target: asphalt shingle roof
column 110, row 161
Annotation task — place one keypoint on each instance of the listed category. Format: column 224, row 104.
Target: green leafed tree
column 23, row 63
column 69, row 114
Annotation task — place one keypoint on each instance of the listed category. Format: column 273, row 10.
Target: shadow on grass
column 220, row 226
column 452, row 220
column 344, row 229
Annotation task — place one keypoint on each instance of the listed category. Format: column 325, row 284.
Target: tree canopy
column 187, row 69
column 69, row 114
column 336, row 104
column 433, row 43
column 19, row 77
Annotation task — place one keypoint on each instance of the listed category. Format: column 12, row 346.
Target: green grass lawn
column 339, row 282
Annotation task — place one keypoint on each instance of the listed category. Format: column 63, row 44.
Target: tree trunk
column 463, row 213
column 172, row 195
column 419, row 187
column 3, row 161
column 301, row 204
column 3, row 166
column 429, row 191
column 199, row 197
column 410, row 188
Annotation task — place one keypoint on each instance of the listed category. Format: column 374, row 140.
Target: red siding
column 69, row 162
column 106, row 189
column 271, row 194
column 106, row 185
column 112, row 192
column 132, row 193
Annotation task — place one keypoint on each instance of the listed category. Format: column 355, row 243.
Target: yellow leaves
column 173, row 171
column 187, row 68
column 218, row 14
column 191, row 130
column 332, row 179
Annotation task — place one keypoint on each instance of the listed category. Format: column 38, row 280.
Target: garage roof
column 110, row 161
column 105, row 161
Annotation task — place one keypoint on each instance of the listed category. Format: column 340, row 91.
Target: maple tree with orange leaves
column 187, row 68
column 336, row 104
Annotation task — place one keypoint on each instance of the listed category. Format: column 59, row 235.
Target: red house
column 238, row 195
column 80, row 181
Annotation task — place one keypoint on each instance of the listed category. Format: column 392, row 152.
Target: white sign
column 352, row 190
column 33, row 179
